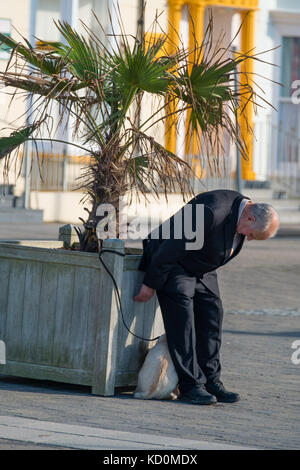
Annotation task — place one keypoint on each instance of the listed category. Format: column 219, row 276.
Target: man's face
column 246, row 226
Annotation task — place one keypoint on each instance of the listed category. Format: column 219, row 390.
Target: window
column 289, row 112
column 290, row 69
column 5, row 28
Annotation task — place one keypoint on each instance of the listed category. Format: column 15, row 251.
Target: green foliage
column 15, row 140
column 40, row 61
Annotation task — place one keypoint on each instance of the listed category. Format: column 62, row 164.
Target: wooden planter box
column 59, row 315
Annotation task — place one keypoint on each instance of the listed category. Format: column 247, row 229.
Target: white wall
column 59, row 206
column 66, row 207
column 20, row 21
column 47, row 12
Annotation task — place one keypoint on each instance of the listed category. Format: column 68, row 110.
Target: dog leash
column 106, row 250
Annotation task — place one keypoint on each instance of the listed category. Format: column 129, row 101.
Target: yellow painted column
column 196, row 31
column 174, row 17
column 196, row 35
column 246, row 121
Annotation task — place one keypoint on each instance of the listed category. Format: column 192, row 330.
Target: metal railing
column 57, row 172
column 277, row 157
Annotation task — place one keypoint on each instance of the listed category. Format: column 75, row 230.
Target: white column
column 32, row 21
column 69, row 14
column 181, row 128
column 32, row 27
column 114, row 27
column 69, row 11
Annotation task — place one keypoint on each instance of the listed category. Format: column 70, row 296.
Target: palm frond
column 82, row 58
column 137, row 70
column 49, row 66
column 42, row 86
column 15, row 140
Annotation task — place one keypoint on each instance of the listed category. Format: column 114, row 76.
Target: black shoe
column 219, row 391
column 198, row 396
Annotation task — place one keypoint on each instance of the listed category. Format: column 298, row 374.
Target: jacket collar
column 230, row 229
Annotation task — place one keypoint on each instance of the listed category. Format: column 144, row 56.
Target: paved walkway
column 263, row 278
column 95, row 438
column 256, row 357
column 260, row 291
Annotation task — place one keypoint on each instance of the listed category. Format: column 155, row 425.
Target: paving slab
column 96, row 438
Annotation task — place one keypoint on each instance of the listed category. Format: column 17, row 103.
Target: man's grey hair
column 263, row 214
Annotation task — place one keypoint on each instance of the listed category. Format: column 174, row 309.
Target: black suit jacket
column 160, row 255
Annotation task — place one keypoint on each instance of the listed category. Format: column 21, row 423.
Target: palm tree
column 97, row 88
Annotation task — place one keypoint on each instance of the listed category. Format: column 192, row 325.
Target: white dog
column 157, row 377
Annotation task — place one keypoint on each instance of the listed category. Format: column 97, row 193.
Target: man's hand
column 145, row 294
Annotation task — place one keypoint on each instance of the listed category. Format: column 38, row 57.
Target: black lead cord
column 117, row 291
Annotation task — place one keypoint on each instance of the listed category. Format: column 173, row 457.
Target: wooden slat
column 56, row 256
column 14, row 322
column 126, row 379
column 128, row 345
column 79, row 318
column 46, row 323
column 63, row 314
column 4, row 277
column 44, row 372
column 106, row 345
column 48, row 244
column 133, row 251
column 131, row 262
column 31, row 305
column 93, row 313
column 157, row 327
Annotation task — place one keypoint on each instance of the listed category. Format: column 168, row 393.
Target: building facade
column 270, row 28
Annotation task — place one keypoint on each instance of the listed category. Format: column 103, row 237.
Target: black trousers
column 192, row 316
